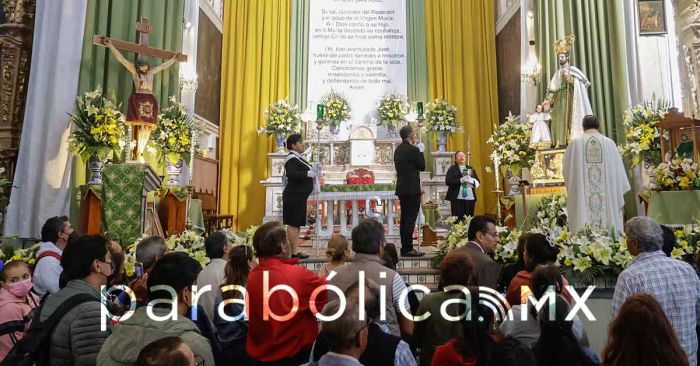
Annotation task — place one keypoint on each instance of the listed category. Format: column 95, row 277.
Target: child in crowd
column 17, row 302
column 337, row 254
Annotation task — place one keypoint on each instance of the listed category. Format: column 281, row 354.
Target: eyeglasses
column 364, row 326
column 198, row 360
column 494, row 235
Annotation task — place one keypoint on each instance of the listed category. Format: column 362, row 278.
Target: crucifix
column 142, row 109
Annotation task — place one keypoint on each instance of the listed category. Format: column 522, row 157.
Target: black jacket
column 408, row 162
column 297, row 178
column 454, row 185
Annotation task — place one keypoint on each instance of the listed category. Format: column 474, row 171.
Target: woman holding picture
column 462, row 181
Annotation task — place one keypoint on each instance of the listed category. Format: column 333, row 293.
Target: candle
column 420, row 108
column 497, row 165
column 319, row 111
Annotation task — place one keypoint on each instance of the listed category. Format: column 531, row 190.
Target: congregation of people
column 249, row 316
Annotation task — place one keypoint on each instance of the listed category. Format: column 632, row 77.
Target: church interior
column 178, row 119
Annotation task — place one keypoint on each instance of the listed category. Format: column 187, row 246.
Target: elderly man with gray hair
column 346, row 334
column 673, row 283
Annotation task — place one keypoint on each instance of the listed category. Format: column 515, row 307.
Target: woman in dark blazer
column 299, row 183
column 462, row 181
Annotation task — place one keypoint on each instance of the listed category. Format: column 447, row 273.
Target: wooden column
column 15, row 59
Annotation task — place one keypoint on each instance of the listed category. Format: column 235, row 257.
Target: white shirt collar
column 47, row 245
column 340, row 355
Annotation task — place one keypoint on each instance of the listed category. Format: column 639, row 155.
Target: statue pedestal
column 172, row 212
column 90, row 217
column 125, row 190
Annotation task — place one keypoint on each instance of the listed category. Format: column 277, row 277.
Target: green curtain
column 299, row 53
column 599, row 51
column 98, row 69
column 418, row 64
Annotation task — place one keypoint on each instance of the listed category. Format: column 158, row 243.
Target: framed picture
column 652, row 17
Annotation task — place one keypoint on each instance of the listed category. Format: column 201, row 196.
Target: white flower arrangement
column 678, row 174
column 511, row 145
column 337, row 108
column 551, row 213
column 642, row 136
column 392, row 107
column 281, row 118
column 441, row 117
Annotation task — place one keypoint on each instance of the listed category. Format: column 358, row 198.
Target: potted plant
column 174, row 139
column 511, row 145
column 441, row 118
column 99, row 131
column 392, row 110
column 337, row 110
column 281, row 119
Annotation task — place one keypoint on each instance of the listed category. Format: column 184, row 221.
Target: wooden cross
column 143, row 28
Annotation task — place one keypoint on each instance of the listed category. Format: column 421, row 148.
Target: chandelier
column 531, row 72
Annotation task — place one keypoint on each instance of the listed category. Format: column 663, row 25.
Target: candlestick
column 420, row 108
column 319, row 111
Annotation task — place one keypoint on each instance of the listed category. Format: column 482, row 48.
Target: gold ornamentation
column 146, row 109
column 563, row 45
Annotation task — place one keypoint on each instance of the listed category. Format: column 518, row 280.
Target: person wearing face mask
column 164, row 316
column 17, row 302
column 77, row 338
column 55, row 235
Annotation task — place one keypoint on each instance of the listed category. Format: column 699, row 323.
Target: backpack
column 33, row 349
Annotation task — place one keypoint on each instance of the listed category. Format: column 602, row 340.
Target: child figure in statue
column 540, row 138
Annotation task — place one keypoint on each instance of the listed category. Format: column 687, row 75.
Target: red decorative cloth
column 359, row 177
column 142, row 109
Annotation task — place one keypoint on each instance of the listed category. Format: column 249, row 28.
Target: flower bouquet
column 678, row 174
column 337, row 109
column 188, row 242
column 511, row 145
column 11, row 253
column 642, row 136
column 174, row 138
column 441, row 118
column 281, row 120
column 392, row 109
column 99, row 130
column 551, row 213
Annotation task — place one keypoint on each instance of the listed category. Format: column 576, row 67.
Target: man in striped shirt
column 673, row 283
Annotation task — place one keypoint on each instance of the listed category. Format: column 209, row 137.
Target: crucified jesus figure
column 142, row 104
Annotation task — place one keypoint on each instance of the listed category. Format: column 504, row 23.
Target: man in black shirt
column 408, row 162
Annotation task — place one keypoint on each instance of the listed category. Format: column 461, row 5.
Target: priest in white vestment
column 595, row 179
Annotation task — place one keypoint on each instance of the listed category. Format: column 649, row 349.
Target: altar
column 343, row 200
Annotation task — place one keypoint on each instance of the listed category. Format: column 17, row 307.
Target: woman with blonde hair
column 336, row 253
